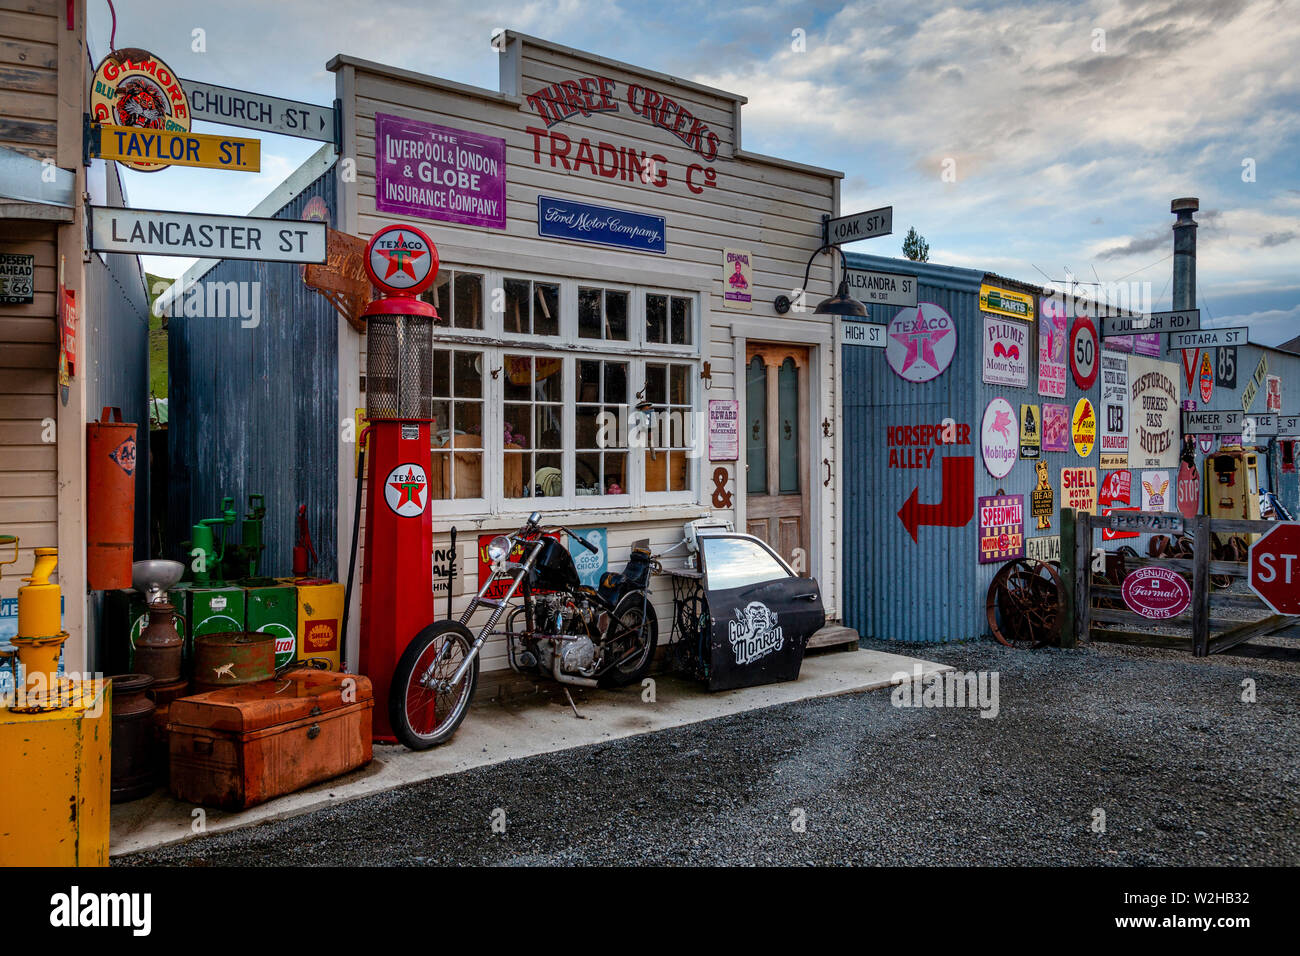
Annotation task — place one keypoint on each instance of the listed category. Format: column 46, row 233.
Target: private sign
column 156, row 147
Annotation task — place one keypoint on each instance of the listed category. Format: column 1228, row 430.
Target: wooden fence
column 1095, row 609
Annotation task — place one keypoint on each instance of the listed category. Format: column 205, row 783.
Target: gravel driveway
column 1185, row 772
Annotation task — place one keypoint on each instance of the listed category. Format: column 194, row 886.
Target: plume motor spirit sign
column 437, row 172
column 1006, row 352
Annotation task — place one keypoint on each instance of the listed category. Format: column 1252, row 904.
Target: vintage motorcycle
column 575, row 634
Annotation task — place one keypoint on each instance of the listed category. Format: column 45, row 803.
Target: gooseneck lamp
column 841, row 303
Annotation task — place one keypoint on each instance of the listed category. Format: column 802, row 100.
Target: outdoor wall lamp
column 841, row 303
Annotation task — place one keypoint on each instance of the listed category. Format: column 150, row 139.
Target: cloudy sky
column 1068, row 125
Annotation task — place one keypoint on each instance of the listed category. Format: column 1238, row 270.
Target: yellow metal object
column 1232, row 485
column 5, row 541
column 54, row 800
column 39, row 640
column 320, row 617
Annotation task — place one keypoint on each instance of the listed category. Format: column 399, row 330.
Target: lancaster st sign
column 156, row 232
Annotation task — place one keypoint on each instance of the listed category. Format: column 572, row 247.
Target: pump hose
column 352, row 556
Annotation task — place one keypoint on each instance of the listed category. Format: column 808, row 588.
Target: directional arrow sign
column 155, row 232
column 1207, row 339
column 882, row 288
column 863, row 333
column 219, row 104
column 1212, row 423
column 1187, row 320
column 864, row 225
column 956, row 505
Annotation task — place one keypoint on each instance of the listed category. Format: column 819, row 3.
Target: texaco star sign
column 401, row 260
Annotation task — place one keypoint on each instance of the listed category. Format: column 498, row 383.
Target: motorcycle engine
column 560, row 614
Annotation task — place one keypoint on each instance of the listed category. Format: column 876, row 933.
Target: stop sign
column 1275, row 568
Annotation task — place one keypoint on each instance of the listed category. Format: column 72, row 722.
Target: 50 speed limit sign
column 1083, row 352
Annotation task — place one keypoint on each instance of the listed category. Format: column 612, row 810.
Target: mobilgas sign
column 583, row 222
column 270, row 114
column 863, row 225
column 1187, row 320
column 160, row 233
column 882, row 288
column 1207, row 339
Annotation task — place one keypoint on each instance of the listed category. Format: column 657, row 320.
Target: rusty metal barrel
column 232, row 658
column 132, row 769
column 110, row 501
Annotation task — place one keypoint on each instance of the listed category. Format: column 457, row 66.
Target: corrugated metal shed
column 931, row 589
column 254, row 410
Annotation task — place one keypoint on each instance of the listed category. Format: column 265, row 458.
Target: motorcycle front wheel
column 632, row 637
column 421, row 714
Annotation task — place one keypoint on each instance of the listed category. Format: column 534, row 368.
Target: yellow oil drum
column 320, row 618
column 51, row 761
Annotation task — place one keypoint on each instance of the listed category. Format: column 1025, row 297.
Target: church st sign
column 882, row 288
column 159, row 233
column 270, row 114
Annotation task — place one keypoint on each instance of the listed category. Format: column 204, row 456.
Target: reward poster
column 1153, row 412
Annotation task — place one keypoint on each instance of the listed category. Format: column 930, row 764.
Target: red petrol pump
column 397, row 569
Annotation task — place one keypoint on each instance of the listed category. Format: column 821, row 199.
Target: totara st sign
column 1275, row 568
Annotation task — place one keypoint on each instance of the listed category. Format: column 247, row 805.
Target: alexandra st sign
column 160, row 233
column 882, row 288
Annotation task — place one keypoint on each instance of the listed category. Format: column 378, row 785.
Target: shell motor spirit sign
column 588, row 96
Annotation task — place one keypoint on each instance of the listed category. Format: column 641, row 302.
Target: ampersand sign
column 721, row 496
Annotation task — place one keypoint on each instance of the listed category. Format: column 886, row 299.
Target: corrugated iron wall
column 932, row 589
column 253, row 410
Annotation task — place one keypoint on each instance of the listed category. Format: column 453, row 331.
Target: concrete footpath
column 495, row 732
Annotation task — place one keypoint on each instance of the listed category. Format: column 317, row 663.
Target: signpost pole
column 1082, row 575
column 1201, row 587
column 1067, row 578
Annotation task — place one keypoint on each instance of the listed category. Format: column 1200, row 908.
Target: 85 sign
column 1225, row 372
column 1083, row 352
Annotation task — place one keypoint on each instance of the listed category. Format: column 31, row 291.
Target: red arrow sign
column 1275, row 568
column 957, row 506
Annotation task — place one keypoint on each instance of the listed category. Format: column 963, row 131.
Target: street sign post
column 156, row 232
column 1288, row 426
column 882, row 288
column 863, row 225
column 1207, row 339
column 1212, row 423
column 1275, row 568
column 168, row 148
column 1259, row 425
column 1185, row 320
column 863, row 333
column 269, row 114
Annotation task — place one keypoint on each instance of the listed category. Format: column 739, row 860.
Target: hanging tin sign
column 922, row 342
column 1083, row 428
column 134, row 88
column 1029, row 435
column 1117, row 488
column 1002, row 528
column 1155, row 491
column 1156, row 593
column 998, row 438
column 1083, row 352
column 1042, row 500
column 1056, row 427
column 1079, row 489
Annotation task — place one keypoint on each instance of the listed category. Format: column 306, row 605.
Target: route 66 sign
column 1083, row 352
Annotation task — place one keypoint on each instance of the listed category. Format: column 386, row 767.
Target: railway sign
column 864, row 333
column 270, row 114
column 156, row 232
column 1208, row 422
column 1207, row 339
column 1184, row 320
column 160, row 147
column 1275, row 568
column 863, row 225
column 882, row 288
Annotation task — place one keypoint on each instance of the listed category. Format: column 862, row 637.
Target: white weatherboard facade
column 522, row 309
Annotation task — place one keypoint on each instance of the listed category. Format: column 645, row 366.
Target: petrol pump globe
column 397, row 574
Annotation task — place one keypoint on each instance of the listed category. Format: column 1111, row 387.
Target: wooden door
column 776, row 448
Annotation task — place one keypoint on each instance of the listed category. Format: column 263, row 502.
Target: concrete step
column 833, row 634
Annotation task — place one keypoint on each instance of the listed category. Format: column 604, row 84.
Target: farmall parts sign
column 1051, row 347
column 1156, row 593
column 1056, row 427
column 1017, row 305
column 406, row 490
column 1155, row 491
column 1002, row 528
column 1030, row 437
column 134, row 88
column 437, row 172
column 1154, row 406
column 1083, row 428
column 587, row 96
column 1114, row 411
column 922, row 342
column 737, row 279
column 1079, row 489
column 1006, row 352
column 999, row 439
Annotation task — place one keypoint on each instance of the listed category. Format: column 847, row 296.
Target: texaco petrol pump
column 397, row 570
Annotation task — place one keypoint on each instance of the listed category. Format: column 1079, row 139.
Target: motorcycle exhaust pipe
column 564, row 678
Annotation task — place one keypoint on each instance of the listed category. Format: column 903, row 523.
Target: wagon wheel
column 1024, row 604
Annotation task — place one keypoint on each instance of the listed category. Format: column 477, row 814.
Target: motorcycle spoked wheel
column 632, row 623
column 420, row 717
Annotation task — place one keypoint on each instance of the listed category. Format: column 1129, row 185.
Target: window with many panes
column 518, row 417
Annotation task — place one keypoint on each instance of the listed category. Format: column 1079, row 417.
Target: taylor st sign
column 882, row 288
column 160, row 233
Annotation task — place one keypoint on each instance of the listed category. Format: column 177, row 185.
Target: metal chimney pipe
column 1184, row 252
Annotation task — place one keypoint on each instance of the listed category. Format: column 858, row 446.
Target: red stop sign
column 1275, row 568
